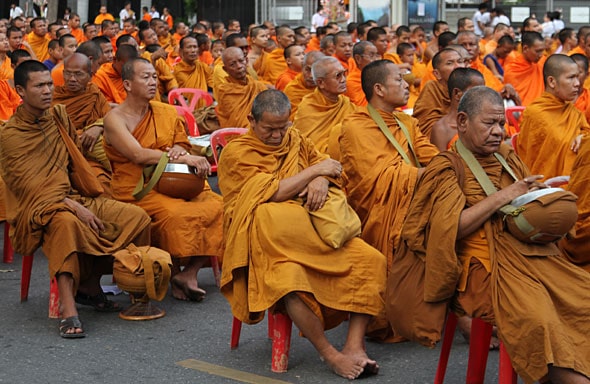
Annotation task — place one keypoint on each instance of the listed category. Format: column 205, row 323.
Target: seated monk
column 68, row 45
column 9, row 100
column 364, row 53
column 6, row 71
column 274, row 64
column 343, row 50
column 258, row 39
column 575, row 247
column 108, row 78
column 444, row 131
column 235, row 96
column 434, row 101
column 86, row 106
column 38, row 39
column 219, row 74
column 583, row 99
column 137, row 133
column 415, row 71
column 303, row 84
column 525, row 72
column 432, row 48
column 496, row 59
column 294, row 57
column 445, row 40
column 190, row 72
column 552, row 127
column 77, row 232
column 380, row 179
column 537, row 299
column 261, row 174
column 322, row 111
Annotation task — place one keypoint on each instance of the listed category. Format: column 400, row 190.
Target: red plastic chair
column 514, row 141
column 189, row 118
column 479, row 344
column 279, row 330
column 176, row 97
column 512, row 118
column 219, row 139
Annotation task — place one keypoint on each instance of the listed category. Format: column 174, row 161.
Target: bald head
column 77, row 72
column 462, row 79
column 234, row 63
column 321, row 68
column 561, row 77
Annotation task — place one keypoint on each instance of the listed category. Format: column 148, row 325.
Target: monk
column 495, row 60
column 472, row 260
column 165, row 39
column 294, row 57
column 109, row 79
column 412, row 69
column 322, row 111
column 434, row 101
column 582, row 101
column 525, row 72
column 38, row 39
column 274, row 63
column 219, row 74
column 87, row 107
column 303, row 84
column 138, row 133
column 500, row 30
column 204, row 43
column 90, row 32
column 236, row 95
column 9, row 100
column 343, row 50
column 445, row 40
column 552, row 127
column 432, row 48
column 75, row 30
column 6, row 71
column 583, row 32
column 76, row 231
column 258, row 39
column 444, row 131
column 377, row 36
column 260, row 175
column 107, row 49
column 381, row 180
column 190, row 72
column 103, row 15
column 68, row 45
column 364, row 53
column 157, row 56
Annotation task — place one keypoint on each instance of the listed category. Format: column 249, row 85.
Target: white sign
column 519, row 14
column 580, row 15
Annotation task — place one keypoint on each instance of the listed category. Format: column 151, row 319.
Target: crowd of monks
column 365, row 110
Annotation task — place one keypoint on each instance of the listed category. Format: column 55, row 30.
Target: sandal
column 69, row 323
column 99, row 302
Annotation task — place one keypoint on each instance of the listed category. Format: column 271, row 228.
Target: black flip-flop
column 68, row 323
column 99, row 302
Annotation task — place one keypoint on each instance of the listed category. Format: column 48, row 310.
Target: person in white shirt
column 500, row 17
column 126, row 13
column 15, row 11
column 480, row 19
column 318, row 19
column 154, row 12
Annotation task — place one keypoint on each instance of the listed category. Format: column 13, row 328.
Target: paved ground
column 189, row 345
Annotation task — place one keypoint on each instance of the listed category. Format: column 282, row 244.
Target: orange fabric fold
column 9, row 100
column 432, row 104
column 40, row 46
column 206, row 57
column 272, row 66
column 110, row 84
column 285, row 78
column 235, row 101
column 295, row 91
column 583, row 103
column 6, row 71
column 354, row 88
column 489, row 78
column 525, row 77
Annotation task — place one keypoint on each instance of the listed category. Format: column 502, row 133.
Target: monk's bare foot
column 371, row 366
column 178, row 293
column 344, row 365
column 186, row 288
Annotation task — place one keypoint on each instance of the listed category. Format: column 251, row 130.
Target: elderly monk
column 444, row 131
column 274, row 64
column 235, row 96
column 552, row 127
column 343, row 50
column 190, row 72
column 576, row 247
column 86, row 106
column 68, row 45
column 261, row 174
column 538, row 300
column 108, row 78
column 303, row 84
column 107, row 49
column 323, row 110
column 381, row 180
column 434, row 100
column 140, row 132
column 38, row 39
column 44, row 208
column 525, row 72
column 363, row 53
column 294, row 57
column 219, row 74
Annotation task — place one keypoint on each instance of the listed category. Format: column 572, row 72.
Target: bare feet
column 371, row 367
column 350, row 365
column 464, row 325
column 186, row 288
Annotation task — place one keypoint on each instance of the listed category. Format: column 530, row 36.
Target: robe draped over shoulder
column 432, row 104
column 295, row 91
column 525, row 77
column 235, row 100
column 110, row 84
column 272, row 66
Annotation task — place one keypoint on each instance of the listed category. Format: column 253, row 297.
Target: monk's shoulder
column 162, row 109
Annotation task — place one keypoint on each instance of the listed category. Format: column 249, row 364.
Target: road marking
column 228, row 373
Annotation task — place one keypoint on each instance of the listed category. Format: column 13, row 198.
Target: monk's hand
column 520, row 187
column 85, row 215
column 175, row 152
column 329, row 168
column 316, row 192
column 200, row 163
column 575, row 145
column 159, row 54
column 508, row 92
column 90, row 137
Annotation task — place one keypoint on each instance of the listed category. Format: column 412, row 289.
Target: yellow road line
column 228, row 373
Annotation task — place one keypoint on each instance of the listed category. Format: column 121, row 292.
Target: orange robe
column 577, row 248
column 110, row 84
column 428, row 75
column 354, row 88
column 37, row 181
column 317, row 116
column 432, row 104
column 583, row 103
column 166, row 80
column 267, row 257
column 170, row 45
column 380, row 184
column 349, row 64
column 490, row 47
column 6, row 71
column 183, row 228
column 548, row 127
column 197, row 75
column 57, row 74
column 206, row 57
column 235, row 100
column 285, row 78
column 521, row 285
column 9, row 100
column 78, row 33
column 295, row 91
column 577, row 49
column 102, row 17
column 488, row 76
column 272, row 66
column 525, row 77
column 40, row 46
column 314, row 44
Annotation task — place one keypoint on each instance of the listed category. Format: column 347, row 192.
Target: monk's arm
column 473, row 217
column 438, row 136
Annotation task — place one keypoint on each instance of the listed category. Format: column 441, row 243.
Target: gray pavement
column 189, row 345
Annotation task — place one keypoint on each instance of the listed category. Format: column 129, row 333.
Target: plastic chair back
column 512, row 118
column 176, row 97
column 189, row 118
column 219, row 139
column 514, row 141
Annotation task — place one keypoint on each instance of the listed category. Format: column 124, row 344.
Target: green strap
column 385, row 129
column 505, row 165
column 155, row 171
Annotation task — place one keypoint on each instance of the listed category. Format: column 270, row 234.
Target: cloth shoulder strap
column 385, row 129
column 153, row 172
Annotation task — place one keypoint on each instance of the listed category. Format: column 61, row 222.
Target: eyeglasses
column 341, row 75
column 77, row 75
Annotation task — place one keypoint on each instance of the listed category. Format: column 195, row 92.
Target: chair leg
column 25, row 280
column 271, row 325
column 216, row 271
column 479, row 347
column 445, row 350
column 8, row 256
column 53, row 299
column 507, row 374
column 236, row 329
column 281, row 342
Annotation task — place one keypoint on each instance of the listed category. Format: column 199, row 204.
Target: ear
column 462, row 122
column 436, row 74
column 251, row 120
column 551, row 82
column 127, row 85
column 379, row 89
column 20, row 90
column 457, row 93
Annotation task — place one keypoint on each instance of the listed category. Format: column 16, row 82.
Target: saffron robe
column 110, row 84
column 183, row 228
column 317, row 116
column 35, row 167
column 295, row 91
column 197, row 75
column 273, row 66
column 39, row 45
column 285, row 78
column 6, row 71
column 525, row 77
column 9, row 100
column 265, row 257
column 354, row 88
column 583, row 103
column 206, row 57
column 539, row 317
column 235, row 100
column 548, row 127
column 78, row 33
column 166, row 80
column 57, row 75
column 432, row 104
column 490, row 80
